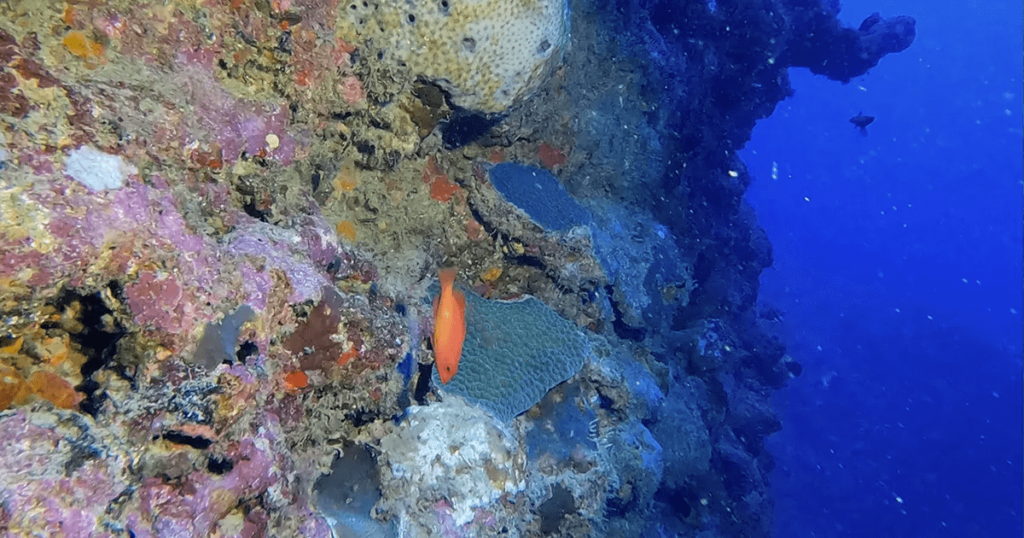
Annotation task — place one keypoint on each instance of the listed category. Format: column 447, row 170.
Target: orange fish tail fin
column 447, row 277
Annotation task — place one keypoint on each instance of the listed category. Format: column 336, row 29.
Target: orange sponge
column 78, row 44
column 13, row 388
column 52, row 387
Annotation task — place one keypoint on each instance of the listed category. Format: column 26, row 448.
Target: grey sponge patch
column 514, row 353
column 347, row 496
column 217, row 344
column 538, row 194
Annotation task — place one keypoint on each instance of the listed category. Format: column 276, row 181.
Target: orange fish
column 449, row 326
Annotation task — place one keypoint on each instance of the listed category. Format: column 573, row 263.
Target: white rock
column 97, row 170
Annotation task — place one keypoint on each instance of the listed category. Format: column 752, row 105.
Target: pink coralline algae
column 176, row 278
column 136, row 230
column 352, row 90
column 234, row 123
column 257, row 286
column 483, row 522
column 104, row 235
column 160, row 301
column 58, row 475
column 194, row 507
column 212, row 215
column 277, row 247
column 446, row 520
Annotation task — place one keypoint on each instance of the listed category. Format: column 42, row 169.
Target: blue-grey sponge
column 539, row 195
column 514, row 353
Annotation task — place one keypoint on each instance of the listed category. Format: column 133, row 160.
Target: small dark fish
column 861, row 122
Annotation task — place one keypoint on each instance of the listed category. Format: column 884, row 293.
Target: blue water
column 898, row 265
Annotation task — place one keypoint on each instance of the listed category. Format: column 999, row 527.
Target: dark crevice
column 623, row 330
column 193, row 441
column 365, row 148
column 360, row 417
column 219, row 465
column 422, row 384
column 314, row 179
column 554, row 510
column 94, row 399
column 256, row 213
column 96, row 334
column 246, row 351
column 464, row 127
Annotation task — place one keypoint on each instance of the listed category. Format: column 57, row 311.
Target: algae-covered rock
column 453, row 451
column 545, row 225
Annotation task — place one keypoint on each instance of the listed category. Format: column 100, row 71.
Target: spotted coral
column 487, row 54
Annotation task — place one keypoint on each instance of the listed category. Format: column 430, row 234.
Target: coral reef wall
column 222, row 221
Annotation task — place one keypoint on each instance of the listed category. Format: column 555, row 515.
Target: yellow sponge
column 487, row 54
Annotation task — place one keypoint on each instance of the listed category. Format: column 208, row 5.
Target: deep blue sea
column 898, row 267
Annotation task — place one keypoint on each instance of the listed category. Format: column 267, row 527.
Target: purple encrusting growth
column 257, row 285
column 141, row 224
column 237, row 125
column 276, row 246
column 194, row 507
column 57, row 475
